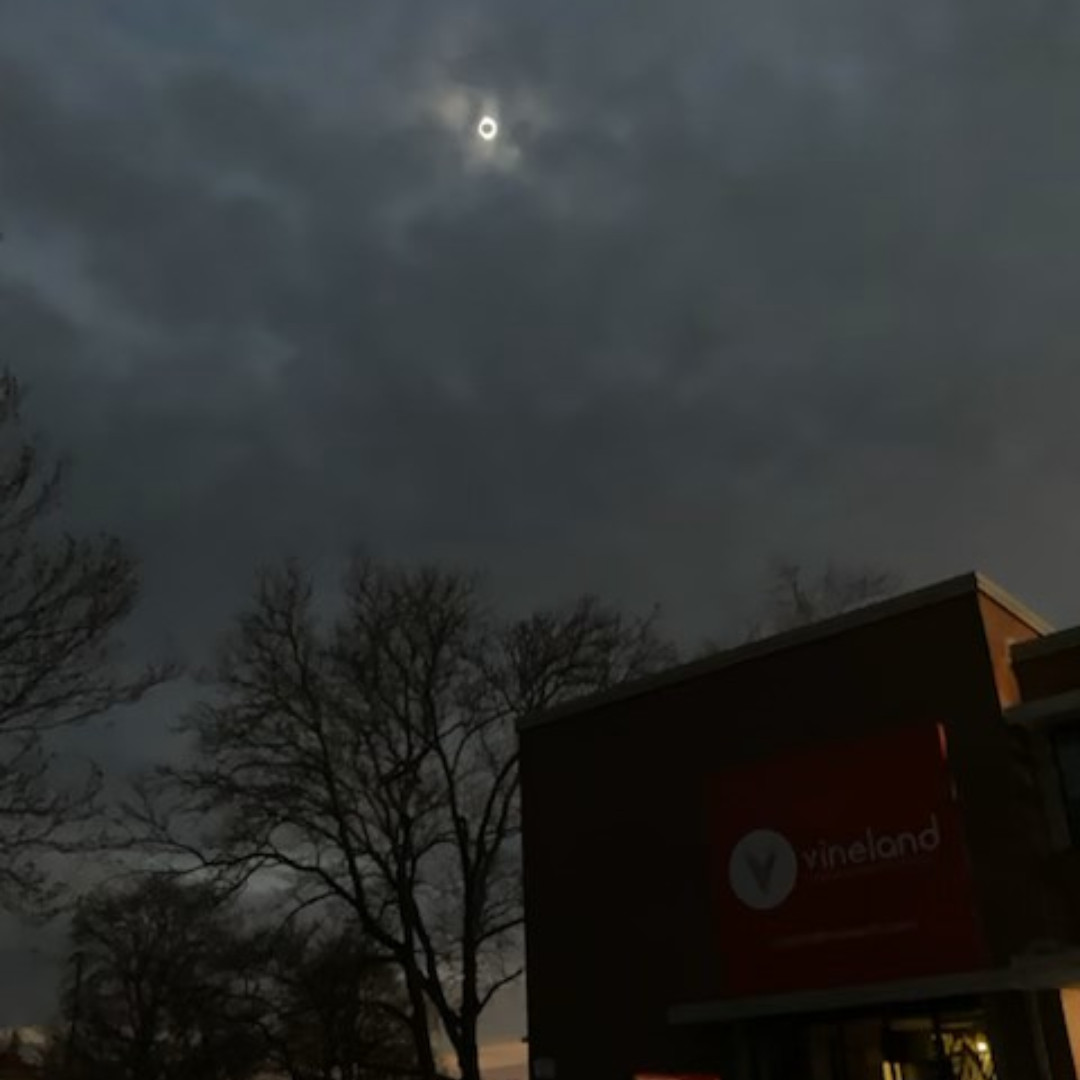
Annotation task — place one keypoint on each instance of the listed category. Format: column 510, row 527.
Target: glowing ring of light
column 488, row 128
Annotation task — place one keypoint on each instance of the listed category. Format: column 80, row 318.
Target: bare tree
column 799, row 599
column 330, row 1008
column 165, row 981
column 62, row 599
column 156, row 986
column 373, row 763
column 795, row 597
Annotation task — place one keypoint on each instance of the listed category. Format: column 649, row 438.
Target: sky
column 738, row 281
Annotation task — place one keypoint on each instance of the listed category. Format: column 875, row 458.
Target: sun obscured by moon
column 487, row 129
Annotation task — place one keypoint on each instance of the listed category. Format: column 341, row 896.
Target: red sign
column 842, row 866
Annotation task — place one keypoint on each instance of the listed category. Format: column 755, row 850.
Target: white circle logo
column 763, row 869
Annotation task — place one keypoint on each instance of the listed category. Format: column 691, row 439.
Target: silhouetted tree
column 373, row 762
column 795, row 597
column 62, row 599
column 166, row 980
column 158, row 986
column 330, row 1009
column 799, row 599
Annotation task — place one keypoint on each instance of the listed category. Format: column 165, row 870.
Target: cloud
column 757, row 271
column 742, row 279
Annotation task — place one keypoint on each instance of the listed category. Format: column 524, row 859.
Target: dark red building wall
column 617, row 859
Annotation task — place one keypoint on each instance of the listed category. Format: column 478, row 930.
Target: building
column 842, row 853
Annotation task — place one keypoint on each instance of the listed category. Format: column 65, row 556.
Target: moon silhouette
column 488, row 128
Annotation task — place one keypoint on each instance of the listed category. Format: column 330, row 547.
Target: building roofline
column 1005, row 599
column 1047, row 645
column 972, row 583
column 1045, row 711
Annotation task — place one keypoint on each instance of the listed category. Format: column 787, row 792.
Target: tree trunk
column 468, row 1051
column 467, row 1044
column 421, row 1029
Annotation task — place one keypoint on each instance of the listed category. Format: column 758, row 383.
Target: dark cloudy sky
column 739, row 279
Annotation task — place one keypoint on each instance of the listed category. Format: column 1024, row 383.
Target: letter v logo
column 762, row 866
column 763, row 869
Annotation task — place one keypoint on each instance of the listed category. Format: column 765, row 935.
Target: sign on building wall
column 843, row 865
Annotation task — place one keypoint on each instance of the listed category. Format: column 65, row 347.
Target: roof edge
column 963, row 584
column 1058, row 969
column 1003, row 598
column 1056, row 642
column 1045, row 710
